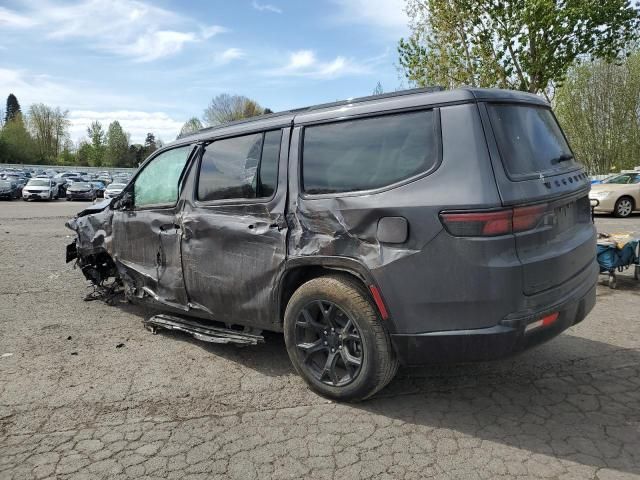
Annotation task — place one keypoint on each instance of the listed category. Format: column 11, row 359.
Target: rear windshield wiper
column 565, row 157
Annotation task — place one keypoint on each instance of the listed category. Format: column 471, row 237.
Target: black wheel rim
column 329, row 343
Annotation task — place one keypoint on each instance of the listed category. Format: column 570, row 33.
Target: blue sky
column 152, row 65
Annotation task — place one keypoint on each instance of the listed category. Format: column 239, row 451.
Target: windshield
column 5, row 184
column 529, row 139
column 116, row 186
column 80, row 186
column 624, row 179
column 38, row 183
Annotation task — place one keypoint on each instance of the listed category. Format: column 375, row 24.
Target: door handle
column 169, row 226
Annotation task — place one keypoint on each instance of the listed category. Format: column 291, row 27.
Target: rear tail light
column 493, row 223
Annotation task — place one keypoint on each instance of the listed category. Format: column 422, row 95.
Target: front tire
column 624, row 207
column 336, row 339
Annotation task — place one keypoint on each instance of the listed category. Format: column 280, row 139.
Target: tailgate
column 534, row 165
column 559, row 248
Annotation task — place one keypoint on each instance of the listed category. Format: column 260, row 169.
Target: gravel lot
column 86, row 392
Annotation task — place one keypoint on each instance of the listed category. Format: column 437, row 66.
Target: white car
column 40, row 189
column 114, row 189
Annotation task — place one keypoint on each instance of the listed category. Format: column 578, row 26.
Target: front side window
column 158, row 183
column 240, row 168
column 368, row 153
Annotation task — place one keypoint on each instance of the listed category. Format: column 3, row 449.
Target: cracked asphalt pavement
column 86, row 392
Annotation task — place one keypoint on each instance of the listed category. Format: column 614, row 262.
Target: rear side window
column 529, row 139
column 368, row 153
column 157, row 184
column 240, row 168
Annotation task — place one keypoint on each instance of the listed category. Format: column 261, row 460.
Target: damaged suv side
column 421, row 226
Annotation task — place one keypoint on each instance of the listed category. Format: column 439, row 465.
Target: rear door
column 234, row 229
column 535, row 168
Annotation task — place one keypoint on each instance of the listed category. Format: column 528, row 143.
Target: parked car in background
column 81, row 191
column 17, row 178
column 99, row 187
column 408, row 228
column 619, row 194
column 114, row 190
column 9, row 190
column 105, row 178
column 40, row 189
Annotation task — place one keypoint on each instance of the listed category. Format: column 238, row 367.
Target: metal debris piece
column 199, row 331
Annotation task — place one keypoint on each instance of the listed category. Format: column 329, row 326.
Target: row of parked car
column 30, row 184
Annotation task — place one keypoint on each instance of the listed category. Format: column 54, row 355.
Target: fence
column 66, row 168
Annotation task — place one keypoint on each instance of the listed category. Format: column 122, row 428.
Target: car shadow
column 572, row 398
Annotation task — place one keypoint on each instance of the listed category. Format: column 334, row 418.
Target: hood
column 95, row 208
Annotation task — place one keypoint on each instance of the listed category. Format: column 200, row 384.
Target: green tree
column 49, row 128
column 13, row 108
column 96, row 135
column 521, row 44
column 149, row 145
column 599, row 107
column 227, row 108
column 67, row 155
column 18, row 146
column 84, row 153
column 135, row 156
column 117, row 146
column 190, row 126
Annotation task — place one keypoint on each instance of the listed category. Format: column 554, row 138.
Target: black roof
column 439, row 94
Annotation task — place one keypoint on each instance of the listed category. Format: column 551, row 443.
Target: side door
column 146, row 232
column 234, row 230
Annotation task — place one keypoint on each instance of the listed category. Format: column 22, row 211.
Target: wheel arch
column 302, row 269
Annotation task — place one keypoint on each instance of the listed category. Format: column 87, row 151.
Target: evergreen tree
column 13, row 108
column 117, row 146
column 149, row 144
column 96, row 135
column 18, row 145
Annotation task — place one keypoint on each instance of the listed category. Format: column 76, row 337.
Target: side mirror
column 124, row 201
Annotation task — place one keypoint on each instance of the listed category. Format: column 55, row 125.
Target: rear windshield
column 529, row 139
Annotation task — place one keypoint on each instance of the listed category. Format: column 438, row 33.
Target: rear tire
column 364, row 361
column 624, row 207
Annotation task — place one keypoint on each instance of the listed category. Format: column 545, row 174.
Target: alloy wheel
column 329, row 342
column 624, row 207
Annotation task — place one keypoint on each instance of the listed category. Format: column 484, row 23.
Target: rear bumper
column 504, row 339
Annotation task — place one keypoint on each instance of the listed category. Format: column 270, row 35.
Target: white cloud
column 129, row 28
column 12, row 19
column 228, row 56
column 266, row 7
column 388, row 15
column 137, row 123
column 87, row 104
column 304, row 63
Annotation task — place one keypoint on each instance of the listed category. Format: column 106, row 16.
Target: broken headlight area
column 91, row 251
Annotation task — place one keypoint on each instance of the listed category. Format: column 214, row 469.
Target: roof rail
column 349, row 101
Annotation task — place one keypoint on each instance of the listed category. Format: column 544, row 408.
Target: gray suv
column 417, row 227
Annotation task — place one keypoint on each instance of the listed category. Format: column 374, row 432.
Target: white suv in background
column 40, row 189
column 114, row 189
